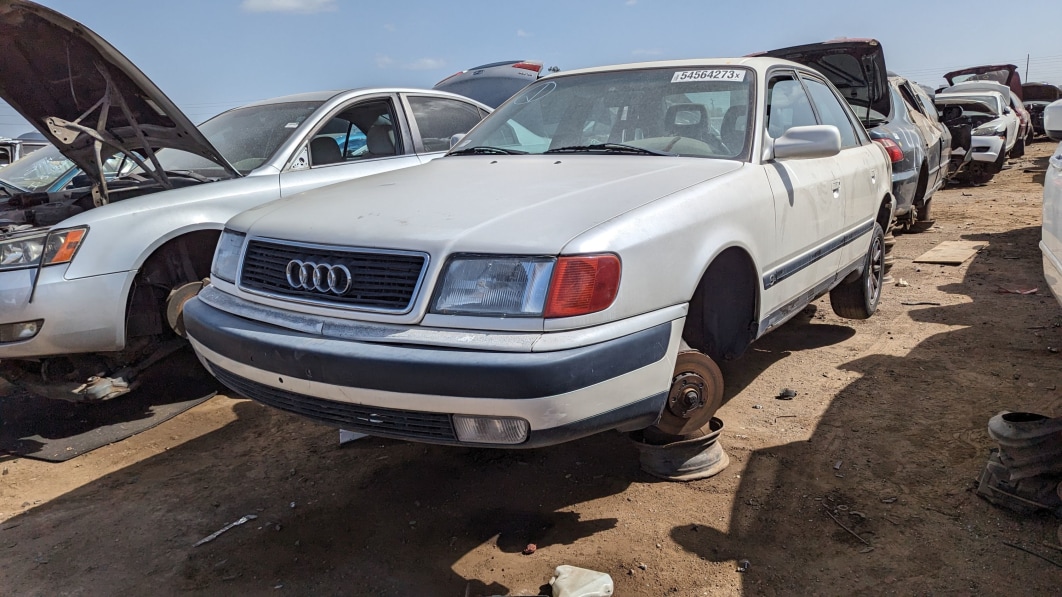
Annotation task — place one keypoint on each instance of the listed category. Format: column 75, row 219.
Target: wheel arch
column 196, row 242
column 725, row 305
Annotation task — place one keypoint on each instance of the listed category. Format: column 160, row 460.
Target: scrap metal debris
column 786, row 394
column 1005, row 290
column 743, row 566
column 530, row 549
column 218, row 532
column 841, row 524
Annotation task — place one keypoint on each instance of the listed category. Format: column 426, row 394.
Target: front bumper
column 80, row 315
column 983, row 148
column 412, row 391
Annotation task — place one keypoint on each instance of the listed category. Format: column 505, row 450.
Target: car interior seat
column 732, row 129
column 687, row 120
column 324, row 150
column 380, row 140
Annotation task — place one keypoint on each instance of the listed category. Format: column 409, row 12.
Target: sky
column 211, row 55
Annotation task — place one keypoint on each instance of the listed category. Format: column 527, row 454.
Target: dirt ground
column 887, row 434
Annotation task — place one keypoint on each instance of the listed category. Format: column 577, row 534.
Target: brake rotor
column 696, row 393
column 175, row 304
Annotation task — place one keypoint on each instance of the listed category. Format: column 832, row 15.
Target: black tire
column 979, row 173
column 859, row 298
column 1019, row 149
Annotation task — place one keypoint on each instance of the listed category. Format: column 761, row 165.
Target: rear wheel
column 859, row 298
column 1019, row 149
column 924, row 218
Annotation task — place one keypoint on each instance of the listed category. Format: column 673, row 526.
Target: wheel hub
column 696, row 393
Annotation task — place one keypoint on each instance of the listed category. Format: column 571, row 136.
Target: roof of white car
column 323, row 96
column 755, row 62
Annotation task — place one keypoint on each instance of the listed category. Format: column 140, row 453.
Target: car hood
column 1040, row 92
column 1004, row 74
column 76, row 89
column 856, row 67
column 515, row 204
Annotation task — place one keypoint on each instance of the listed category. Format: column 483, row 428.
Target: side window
column 440, row 118
column 910, row 100
column 832, row 112
column 362, row 131
column 787, row 105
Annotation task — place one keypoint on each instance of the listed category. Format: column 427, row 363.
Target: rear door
column 858, row 166
column 435, row 119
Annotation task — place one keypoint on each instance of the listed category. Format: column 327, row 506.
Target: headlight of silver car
column 34, row 249
column 227, row 255
column 989, row 130
column 511, row 286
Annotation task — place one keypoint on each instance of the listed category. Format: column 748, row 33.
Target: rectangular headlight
column 494, row 285
column 227, row 256
column 53, row 248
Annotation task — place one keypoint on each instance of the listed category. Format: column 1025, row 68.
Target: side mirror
column 455, row 139
column 1007, row 111
column 818, row 141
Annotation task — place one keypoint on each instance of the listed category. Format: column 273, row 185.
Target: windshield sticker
column 730, row 74
column 291, row 125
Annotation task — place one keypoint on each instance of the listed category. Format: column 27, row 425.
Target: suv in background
column 493, row 83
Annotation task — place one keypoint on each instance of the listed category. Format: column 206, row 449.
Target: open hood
column 87, row 98
column 856, row 67
column 1004, row 74
column 1040, row 92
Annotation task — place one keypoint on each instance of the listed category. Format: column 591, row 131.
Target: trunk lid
column 856, row 67
column 1004, row 74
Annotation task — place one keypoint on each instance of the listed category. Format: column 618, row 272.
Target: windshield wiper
column 608, row 148
column 486, row 149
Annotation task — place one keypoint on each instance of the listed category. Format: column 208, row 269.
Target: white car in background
column 667, row 214
column 1053, row 120
column 93, row 280
column 1051, row 240
column 993, row 124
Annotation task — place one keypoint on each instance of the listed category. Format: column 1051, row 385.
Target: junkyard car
column 1053, row 120
column 14, row 149
column 1036, row 97
column 668, row 214
column 1007, row 75
column 896, row 113
column 49, row 171
column 93, row 281
column 492, row 83
column 990, row 123
column 1051, row 241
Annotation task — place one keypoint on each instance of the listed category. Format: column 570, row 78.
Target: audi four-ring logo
column 322, row 277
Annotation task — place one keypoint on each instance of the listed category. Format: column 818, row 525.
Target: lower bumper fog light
column 490, row 430
column 17, row 332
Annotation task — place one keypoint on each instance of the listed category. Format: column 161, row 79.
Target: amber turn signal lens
column 582, row 284
column 70, row 244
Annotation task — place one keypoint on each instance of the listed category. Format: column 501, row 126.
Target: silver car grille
column 379, row 280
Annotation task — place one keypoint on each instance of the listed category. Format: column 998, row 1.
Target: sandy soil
column 887, row 434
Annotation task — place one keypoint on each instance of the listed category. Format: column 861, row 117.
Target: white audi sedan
column 93, row 277
column 578, row 262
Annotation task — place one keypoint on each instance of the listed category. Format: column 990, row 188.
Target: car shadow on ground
column 897, row 452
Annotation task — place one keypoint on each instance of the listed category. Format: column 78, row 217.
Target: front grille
column 382, row 280
column 352, row 417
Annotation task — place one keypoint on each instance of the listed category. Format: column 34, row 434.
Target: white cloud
column 522, row 33
column 631, row 2
column 383, row 61
column 304, row 6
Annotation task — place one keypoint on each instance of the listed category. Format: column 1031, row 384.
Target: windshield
column 36, row 171
column 1001, row 76
column 984, row 104
column 687, row 111
column 247, row 137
